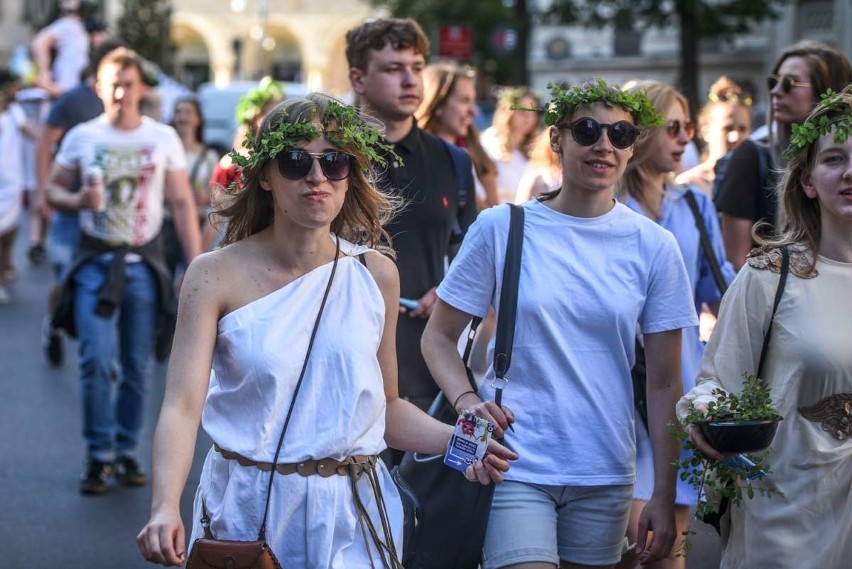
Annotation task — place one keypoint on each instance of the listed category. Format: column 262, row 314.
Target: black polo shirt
column 422, row 235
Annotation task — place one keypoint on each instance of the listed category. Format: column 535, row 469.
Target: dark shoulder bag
column 638, row 373
column 210, row 553
column 447, row 515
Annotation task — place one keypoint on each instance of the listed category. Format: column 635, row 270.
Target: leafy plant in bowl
column 734, row 423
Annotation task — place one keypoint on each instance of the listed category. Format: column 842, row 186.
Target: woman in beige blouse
column 808, row 365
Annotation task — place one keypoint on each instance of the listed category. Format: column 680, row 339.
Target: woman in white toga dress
column 248, row 311
column 808, row 365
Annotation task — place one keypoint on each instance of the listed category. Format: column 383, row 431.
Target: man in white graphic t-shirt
column 117, row 298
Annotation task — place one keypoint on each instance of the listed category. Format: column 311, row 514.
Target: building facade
column 225, row 40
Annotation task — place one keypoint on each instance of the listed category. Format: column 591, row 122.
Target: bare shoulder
column 211, row 277
column 384, row 272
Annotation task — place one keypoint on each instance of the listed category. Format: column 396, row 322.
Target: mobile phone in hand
column 408, row 303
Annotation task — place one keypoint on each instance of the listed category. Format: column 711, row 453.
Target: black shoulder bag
column 447, row 515
column 638, row 372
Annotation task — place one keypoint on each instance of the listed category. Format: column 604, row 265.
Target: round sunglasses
column 296, row 164
column 587, row 131
column 674, row 128
column 787, row 83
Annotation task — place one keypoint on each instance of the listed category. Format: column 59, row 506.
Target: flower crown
column 340, row 124
column 563, row 102
column 253, row 102
column 835, row 112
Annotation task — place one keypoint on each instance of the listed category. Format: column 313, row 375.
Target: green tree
column 696, row 20
column 145, row 25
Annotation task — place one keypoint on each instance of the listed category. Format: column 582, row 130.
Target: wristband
column 456, row 402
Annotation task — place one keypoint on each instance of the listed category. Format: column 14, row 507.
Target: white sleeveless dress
column 340, row 411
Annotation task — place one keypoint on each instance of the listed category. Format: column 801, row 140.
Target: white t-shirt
column 509, row 171
column 11, row 166
column 584, row 284
column 134, row 163
column 72, row 51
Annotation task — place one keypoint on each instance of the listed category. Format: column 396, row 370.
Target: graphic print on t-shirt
column 128, row 173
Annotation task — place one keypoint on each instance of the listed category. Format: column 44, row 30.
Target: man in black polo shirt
column 386, row 59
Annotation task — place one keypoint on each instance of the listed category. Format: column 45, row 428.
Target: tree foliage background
column 145, row 25
column 695, row 19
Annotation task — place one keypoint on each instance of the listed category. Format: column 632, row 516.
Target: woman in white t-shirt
column 509, row 138
column 591, row 270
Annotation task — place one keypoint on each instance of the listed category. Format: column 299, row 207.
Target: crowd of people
column 366, row 237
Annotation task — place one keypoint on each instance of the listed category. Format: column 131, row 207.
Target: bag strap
column 706, row 246
column 199, row 160
column 508, row 309
column 779, row 292
column 262, row 532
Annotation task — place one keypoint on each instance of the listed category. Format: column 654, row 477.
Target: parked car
column 219, row 103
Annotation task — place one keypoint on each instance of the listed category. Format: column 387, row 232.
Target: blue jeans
column 111, row 424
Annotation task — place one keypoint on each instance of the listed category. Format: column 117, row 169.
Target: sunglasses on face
column 787, row 83
column 674, row 128
column 587, row 131
column 296, row 164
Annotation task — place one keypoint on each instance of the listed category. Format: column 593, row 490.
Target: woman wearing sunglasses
column 723, row 123
column 303, row 233
column 648, row 188
column 591, row 269
column 746, row 194
column 808, row 365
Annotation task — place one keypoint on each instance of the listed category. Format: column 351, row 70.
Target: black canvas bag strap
column 779, row 292
column 508, row 309
column 706, row 246
column 262, row 532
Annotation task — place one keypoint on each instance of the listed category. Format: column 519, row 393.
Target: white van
column 219, row 107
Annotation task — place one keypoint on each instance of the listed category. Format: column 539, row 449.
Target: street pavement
column 44, row 521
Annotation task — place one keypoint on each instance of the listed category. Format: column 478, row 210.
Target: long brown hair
column 828, row 69
column 439, row 82
column 801, row 212
column 365, row 211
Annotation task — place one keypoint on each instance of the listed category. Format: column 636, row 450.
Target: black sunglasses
column 587, row 131
column 787, row 83
column 296, row 164
column 674, row 128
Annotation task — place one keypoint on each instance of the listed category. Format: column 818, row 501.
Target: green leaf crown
column 250, row 104
column 834, row 112
column 340, row 124
column 563, row 102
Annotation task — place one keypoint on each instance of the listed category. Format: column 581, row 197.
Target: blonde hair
column 502, row 120
column 365, row 211
column 662, row 96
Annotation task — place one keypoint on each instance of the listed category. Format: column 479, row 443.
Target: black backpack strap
column 706, row 246
column 461, row 165
column 508, row 309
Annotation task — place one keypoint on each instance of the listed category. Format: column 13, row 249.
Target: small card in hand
column 468, row 442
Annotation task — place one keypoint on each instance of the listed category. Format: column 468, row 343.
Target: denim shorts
column 577, row 524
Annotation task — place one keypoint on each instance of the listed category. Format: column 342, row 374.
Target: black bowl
column 746, row 436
